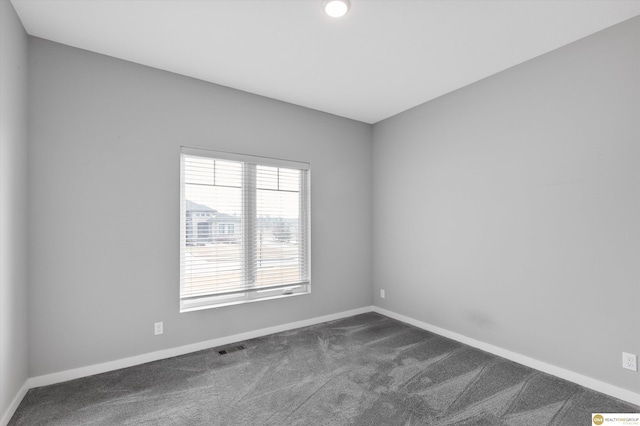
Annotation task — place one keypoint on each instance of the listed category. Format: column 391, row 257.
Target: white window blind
column 244, row 228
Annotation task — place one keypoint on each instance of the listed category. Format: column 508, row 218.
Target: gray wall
column 509, row 211
column 13, row 205
column 104, row 150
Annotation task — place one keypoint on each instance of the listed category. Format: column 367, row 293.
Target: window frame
column 250, row 293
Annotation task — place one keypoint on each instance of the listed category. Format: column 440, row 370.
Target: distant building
column 207, row 225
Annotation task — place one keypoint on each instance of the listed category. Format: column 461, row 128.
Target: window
column 254, row 244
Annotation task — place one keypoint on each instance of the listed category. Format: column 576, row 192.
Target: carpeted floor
column 363, row 370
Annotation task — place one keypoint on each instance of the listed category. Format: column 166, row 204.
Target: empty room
column 319, row 212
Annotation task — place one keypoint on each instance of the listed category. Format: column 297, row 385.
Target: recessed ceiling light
column 336, row 8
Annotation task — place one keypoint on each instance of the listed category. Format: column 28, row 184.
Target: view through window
column 244, row 229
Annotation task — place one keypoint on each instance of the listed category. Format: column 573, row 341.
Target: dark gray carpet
column 363, row 370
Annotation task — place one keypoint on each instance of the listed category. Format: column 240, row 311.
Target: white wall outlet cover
column 382, row 295
column 158, row 328
column 629, row 361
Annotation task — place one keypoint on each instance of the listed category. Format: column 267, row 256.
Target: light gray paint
column 509, row 211
column 104, row 149
column 13, row 206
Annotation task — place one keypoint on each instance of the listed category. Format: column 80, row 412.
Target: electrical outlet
column 382, row 294
column 629, row 361
column 158, row 328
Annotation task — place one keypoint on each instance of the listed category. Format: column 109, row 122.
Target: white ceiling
column 382, row 58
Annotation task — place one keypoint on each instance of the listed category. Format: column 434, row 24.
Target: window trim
column 234, row 156
column 268, row 292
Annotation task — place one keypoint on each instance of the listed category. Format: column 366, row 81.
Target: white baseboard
column 588, row 382
column 90, row 370
column 77, row 373
column 14, row 404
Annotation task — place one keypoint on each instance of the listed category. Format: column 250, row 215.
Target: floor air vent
column 232, row 349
